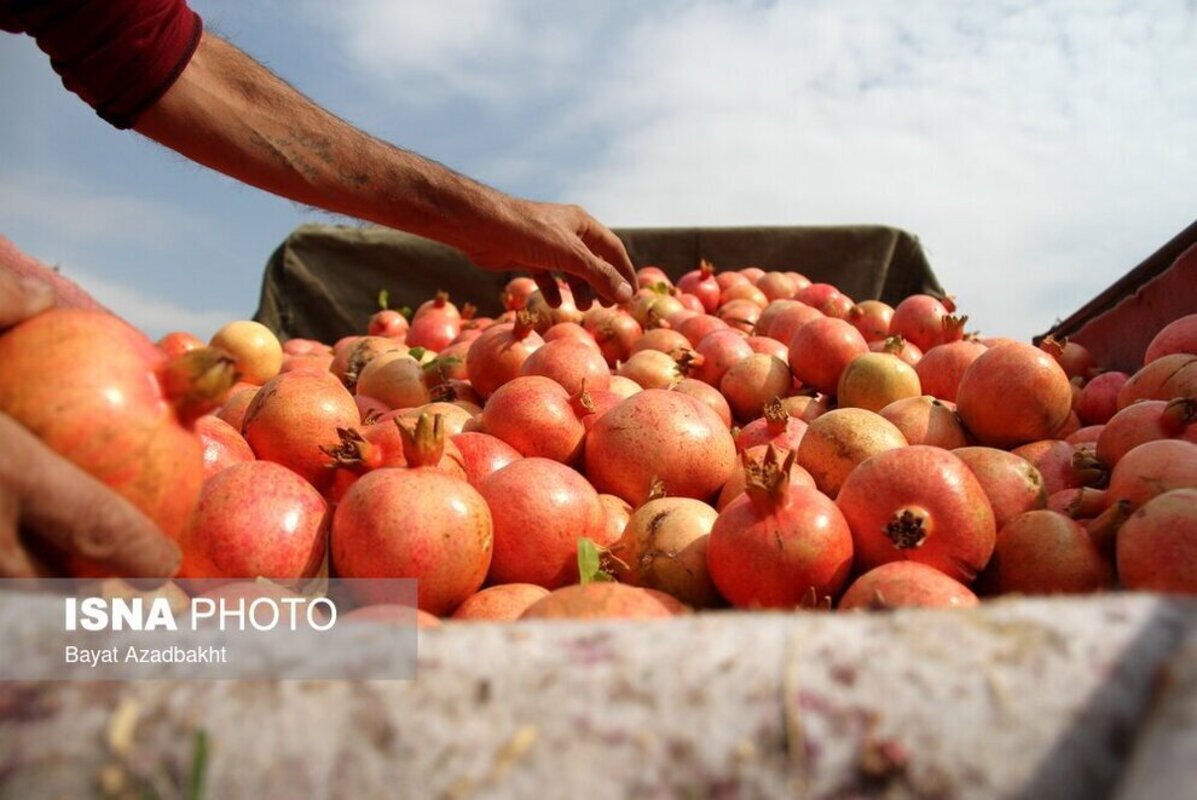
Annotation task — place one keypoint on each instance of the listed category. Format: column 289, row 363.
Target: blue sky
column 1039, row 150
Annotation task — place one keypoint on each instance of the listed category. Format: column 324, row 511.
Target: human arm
column 229, row 113
column 48, row 506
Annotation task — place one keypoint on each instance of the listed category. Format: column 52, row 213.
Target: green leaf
column 383, row 296
column 417, row 353
column 405, row 312
column 199, row 764
column 590, row 566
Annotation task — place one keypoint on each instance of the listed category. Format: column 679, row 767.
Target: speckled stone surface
column 1026, row 698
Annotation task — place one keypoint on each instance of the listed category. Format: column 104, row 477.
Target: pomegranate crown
column 425, row 445
column 767, row 482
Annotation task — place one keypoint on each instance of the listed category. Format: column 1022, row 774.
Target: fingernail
column 38, row 295
column 624, row 293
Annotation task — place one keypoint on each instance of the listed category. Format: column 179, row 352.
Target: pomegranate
column 1086, row 435
column 941, row 368
column 769, row 347
column 653, row 276
column 1043, row 552
column 1063, row 465
column 659, row 435
column 697, row 327
column 665, row 340
column 744, row 291
column 396, row 380
column 233, row 410
column 254, row 348
column 871, row 318
column 482, row 454
column 615, row 334
column 534, row 415
column 1098, row 401
column 821, row 349
column 806, row 407
column 735, row 484
column 1075, row 359
column 1146, row 421
column 414, row 523
column 589, row 406
column 570, row 363
column 874, row 380
column 624, row 387
column 740, row 314
column 1157, row 546
column 753, row 381
column 223, row 445
column 1012, row 484
column 256, row 519
column 835, row 442
column 1153, row 468
column 351, row 356
column 777, row 286
column 719, row 350
column 541, row 509
column 926, row 420
column 777, row 544
column 454, row 417
column 651, row 369
column 728, row 278
column 502, row 603
column 176, row 343
column 294, row 419
column 906, row 584
column 305, row 347
column 618, row 513
column 516, row 292
column 570, row 330
column 1082, row 502
column 707, row 394
column 788, row 321
column 604, row 601
column 1177, row 337
column 1163, row 379
column 897, row 346
column 821, row 296
column 775, row 427
column 927, row 321
column 664, row 547
column 115, row 406
column 499, row 353
column 919, row 503
column 387, row 322
column 1036, row 397
column 702, row 284
column 435, row 324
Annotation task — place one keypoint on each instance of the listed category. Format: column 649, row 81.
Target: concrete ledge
column 1030, row 698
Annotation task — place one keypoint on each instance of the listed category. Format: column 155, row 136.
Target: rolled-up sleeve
column 119, row 56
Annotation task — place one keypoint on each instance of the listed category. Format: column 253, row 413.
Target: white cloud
column 1039, row 150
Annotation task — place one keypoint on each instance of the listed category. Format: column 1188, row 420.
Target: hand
column 50, row 507
column 544, row 238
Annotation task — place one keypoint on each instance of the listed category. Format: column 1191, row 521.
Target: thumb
column 22, row 297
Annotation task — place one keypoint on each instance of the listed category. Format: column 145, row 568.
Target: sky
column 1039, row 150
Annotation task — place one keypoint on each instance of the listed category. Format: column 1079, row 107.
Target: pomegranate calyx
column 353, row 451
column 525, row 323
column 468, row 311
column 688, row 362
column 894, row 344
column 1178, row 414
column 1053, row 347
column 907, row 529
column 656, row 490
column 767, row 482
column 425, row 444
column 706, row 268
column 1103, row 530
column 1089, row 470
column 777, row 419
column 197, row 381
column 953, row 328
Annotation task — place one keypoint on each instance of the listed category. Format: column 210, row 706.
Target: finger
column 609, row 247
column 14, row 560
column 22, row 297
column 76, row 514
column 583, row 294
column 602, row 277
column 548, row 287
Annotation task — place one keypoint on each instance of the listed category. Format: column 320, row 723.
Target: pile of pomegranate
column 743, row 439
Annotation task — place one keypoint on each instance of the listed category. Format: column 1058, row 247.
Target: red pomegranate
column 897, row 346
column 1074, row 358
column 604, row 601
column 696, row 327
column 821, row 349
column 256, row 519
column 926, row 420
column 738, row 480
column 927, row 321
column 1146, row 421
column 615, row 332
column 1153, row 468
column 541, row 509
column 777, row 286
column 778, row 545
column 664, row 435
column 1012, row 484
column 1177, row 337
column 751, row 382
column 570, row 363
column 482, row 454
column 535, row 415
column 223, row 445
column 414, row 523
column 1163, row 379
column 1157, row 546
column 502, row 603
column 775, row 427
column 919, row 503
column 499, row 353
column 872, row 319
column 906, row 584
column 1036, row 397
column 785, row 323
column 719, row 350
column 705, row 393
column 100, row 393
column 941, row 368
column 1063, row 465
column 1099, row 398
column 1043, row 552
column 435, row 324
column 702, row 284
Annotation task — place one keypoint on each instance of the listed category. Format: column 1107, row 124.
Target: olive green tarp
column 323, row 281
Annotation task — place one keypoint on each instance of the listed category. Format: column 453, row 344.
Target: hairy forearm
column 230, row 113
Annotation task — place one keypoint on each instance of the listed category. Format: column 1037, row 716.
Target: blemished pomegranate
column 919, row 503
column 1044, row 552
column 1063, row 465
column 1082, row 502
column 1151, row 469
column 414, row 523
column 906, row 584
column 1036, row 396
column 615, row 331
column 294, row 419
column 662, row 435
column 256, row 519
column 837, row 441
column 1157, row 546
column 740, row 314
column 777, row 544
column 1165, row 378
column 605, row 600
column 502, row 603
column 927, row 420
column 664, row 547
column 116, row 406
column 396, row 380
column 541, row 509
column 1012, row 484
column 651, row 369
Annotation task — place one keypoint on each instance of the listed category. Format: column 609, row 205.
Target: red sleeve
column 120, row 56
